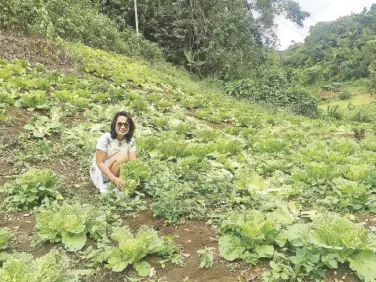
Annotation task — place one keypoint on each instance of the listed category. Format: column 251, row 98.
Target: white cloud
column 321, row 10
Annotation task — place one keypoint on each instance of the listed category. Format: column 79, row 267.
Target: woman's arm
column 101, row 158
column 132, row 150
column 132, row 156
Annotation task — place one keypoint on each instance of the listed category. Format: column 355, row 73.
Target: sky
column 320, row 10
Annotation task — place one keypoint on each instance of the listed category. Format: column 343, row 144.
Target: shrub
column 362, row 116
column 345, row 95
column 240, row 89
column 301, row 102
column 334, row 112
column 274, row 90
column 76, row 21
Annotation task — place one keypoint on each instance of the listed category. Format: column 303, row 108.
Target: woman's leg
column 115, row 161
column 98, row 179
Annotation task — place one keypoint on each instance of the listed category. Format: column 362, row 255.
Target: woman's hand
column 118, row 183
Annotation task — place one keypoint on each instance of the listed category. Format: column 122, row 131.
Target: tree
column 224, row 34
column 339, row 49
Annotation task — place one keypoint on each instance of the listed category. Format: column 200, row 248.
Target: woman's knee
column 121, row 158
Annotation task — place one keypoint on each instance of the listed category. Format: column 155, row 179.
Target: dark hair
column 127, row 136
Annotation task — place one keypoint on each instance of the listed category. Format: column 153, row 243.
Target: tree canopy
column 225, row 38
column 341, row 50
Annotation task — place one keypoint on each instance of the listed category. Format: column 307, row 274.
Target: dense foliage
column 221, row 38
column 76, row 21
column 206, row 37
column 341, row 50
column 275, row 87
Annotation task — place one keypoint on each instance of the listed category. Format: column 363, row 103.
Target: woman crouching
column 112, row 150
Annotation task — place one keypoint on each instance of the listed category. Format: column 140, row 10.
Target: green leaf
column 117, row 261
column 363, row 263
column 142, row 268
column 231, row 247
column 29, row 127
column 293, row 234
column 73, row 242
column 4, row 238
column 120, row 266
column 264, row 251
column 4, row 256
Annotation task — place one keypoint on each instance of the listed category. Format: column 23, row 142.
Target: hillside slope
column 253, row 174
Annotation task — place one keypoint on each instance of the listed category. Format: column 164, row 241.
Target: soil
column 369, row 221
column 344, row 273
column 35, row 49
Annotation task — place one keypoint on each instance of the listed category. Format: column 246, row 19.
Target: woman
column 113, row 149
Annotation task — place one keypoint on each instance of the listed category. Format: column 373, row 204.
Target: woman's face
column 121, row 126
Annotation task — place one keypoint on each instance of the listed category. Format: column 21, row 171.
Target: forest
column 338, row 51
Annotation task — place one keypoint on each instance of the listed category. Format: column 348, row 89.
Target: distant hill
column 341, row 50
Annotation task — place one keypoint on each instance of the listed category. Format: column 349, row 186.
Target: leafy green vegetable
column 70, row 224
column 264, row 251
column 143, row 268
column 30, row 189
column 339, row 236
column 207, row 257
column 134, row 173
column 231, row 247
column 253, row 227
column 251, row 231
column 33, row 99
column 132, row 249
column 279, row 271
column 52, row 267
column 40, row 126
column 363, row 263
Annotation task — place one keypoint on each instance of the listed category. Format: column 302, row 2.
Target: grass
column 356, row 100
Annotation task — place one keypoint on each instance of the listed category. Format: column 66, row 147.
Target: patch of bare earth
column 369, row 221
column 9, row 141
column 35, row 49
column 343, row 273
column 21, row 225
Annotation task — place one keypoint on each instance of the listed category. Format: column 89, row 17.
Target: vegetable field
column 223, row 190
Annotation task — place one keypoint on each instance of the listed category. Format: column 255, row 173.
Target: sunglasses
column 121, row 124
